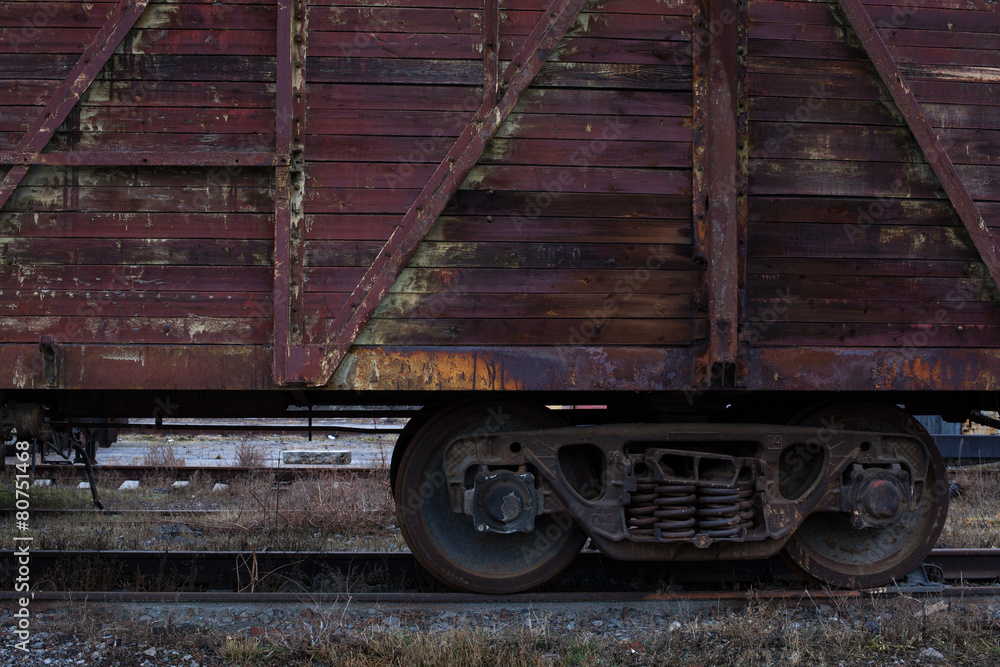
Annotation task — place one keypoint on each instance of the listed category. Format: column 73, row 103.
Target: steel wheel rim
column 829, row 548
column 447, row 544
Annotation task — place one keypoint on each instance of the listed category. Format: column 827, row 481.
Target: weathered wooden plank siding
column 851, row 239
column 148, row 254
column 586, row 185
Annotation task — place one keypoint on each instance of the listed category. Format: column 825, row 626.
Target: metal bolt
column 489, row 218
column 481, row 528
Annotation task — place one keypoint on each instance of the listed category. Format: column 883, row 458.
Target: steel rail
column 236, row 569
column 800, row 596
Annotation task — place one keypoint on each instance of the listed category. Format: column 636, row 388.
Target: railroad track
column 395, row 576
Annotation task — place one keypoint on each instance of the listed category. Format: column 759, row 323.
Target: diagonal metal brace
column 925, row 135
column 69, row 92
column 436, row 194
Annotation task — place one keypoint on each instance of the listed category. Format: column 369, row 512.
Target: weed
column 161, row 455
column 250, row 454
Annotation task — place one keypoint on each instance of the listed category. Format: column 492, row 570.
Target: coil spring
column 679, row 511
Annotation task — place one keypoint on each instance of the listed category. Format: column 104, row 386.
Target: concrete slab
column 129, row 485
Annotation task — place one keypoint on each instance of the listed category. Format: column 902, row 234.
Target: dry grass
column 339, row 511
column 884, row 632
column 161, row 455
column 250, row 454
column 974, row 516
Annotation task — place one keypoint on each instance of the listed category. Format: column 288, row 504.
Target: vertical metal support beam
column 862, row 24
column 72, row 88
column 720, row 177
column 491, row 52
column 289, row 190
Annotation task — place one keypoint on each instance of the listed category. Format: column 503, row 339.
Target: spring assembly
column 725, row 511
column 675, row 510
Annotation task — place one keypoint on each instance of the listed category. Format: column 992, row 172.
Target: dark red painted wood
column 506, row 281
column 442, row 186
column 512, row 255
column 949, row 177
column 71, row 224
column 123, row 16
column 77, row 303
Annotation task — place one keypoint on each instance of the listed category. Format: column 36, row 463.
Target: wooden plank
column 142, row 67
column 139, row 330
column 181, row 94
column 515, row 178
column 834, row 142
column 69, row 91
column 842, row 179
column 469, row 72
column 926, row 18
column 153, row 199
column 144, row 278
column 153, row 142
column 586, row 127
column 432, row 200
column 857, row 211
column 455, row 98
column 875, row 240
column 525, row 206
column 511, row 255
column 331, row 18
column 873, row 312
column 505, row 281
column 443, row 46
column 407, row 159
column 879, row 288
column 546, row 331
column 676, row 7
column 858, row 334
column 111, row 251
column 50, row 40
column 148, row 176
column 867, row 266
column 62, row 303
column 502, row 228
column 949, row 177
column 506, row 306
column 797, row 114
column 168, row 120
column 73, row 224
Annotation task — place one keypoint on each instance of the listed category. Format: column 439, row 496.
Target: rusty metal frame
column 720, row 179
column 69, row 92
column 289, row 190
column 315, row 364
column 935, row 153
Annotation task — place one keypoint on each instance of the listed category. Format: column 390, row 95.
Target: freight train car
column 762, row 233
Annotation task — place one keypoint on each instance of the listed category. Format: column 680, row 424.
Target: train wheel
column 830, row 548
column 446, row 543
